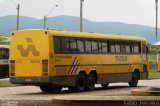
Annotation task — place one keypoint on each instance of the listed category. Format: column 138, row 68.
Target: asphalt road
column 34, row 93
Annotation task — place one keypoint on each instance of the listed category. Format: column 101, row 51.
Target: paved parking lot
column 34, row 93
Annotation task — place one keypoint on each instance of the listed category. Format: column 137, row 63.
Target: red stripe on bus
column 72, row 72
column 76, row 68
column 72, row 65
column 75, row 63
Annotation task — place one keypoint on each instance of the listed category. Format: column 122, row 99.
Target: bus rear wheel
column 80, row 82
column 58, row 89
column 90, row 82
column 104, row 85
column 50, row 88
column 72, row 88
column 134, row 81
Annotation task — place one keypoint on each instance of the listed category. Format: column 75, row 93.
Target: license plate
column 28, row 80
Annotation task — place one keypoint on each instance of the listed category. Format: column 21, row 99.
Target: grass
column 4, row 40
column 152, row 58
column 154, row 74
column 153, row 71
column 6, row 83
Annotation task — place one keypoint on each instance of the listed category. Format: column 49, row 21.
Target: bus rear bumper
column 59, row 80
column 29, row 80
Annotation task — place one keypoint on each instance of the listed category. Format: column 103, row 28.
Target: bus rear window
column 4, row 53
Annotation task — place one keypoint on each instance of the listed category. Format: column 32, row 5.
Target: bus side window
column 123, row 47
column 136, row 47
column 73, row 45
column 132, row 47
column 87, row 45
column 57, row 44
column 139, row 47
column 65, row 44
column 95, row 46
column 100, row 46
column 117, row 47
column 80, row 44
column 112, row 46
column 104, row 46
column 128, row 47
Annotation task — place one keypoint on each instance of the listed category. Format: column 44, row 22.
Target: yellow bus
column 53, row 59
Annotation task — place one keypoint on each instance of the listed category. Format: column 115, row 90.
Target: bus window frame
column 99, row 41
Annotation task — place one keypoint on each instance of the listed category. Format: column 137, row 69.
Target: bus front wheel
column 134, row 81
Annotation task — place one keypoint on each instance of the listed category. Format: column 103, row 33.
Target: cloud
column 1, row 0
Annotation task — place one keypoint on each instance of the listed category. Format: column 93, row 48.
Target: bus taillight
column 12, row 61
column 12, row 67
column 44, row 67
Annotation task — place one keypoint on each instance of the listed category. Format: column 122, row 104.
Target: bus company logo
column 74, row 66
column 30, row 48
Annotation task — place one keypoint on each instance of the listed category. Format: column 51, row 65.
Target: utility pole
column 18, row 8
column 156, row 4
column 44, row 26
column 81, row 15
column 45, row 17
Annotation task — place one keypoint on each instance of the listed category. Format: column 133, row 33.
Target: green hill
column 71, row 23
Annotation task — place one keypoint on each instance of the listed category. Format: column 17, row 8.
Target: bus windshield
column 4, row 53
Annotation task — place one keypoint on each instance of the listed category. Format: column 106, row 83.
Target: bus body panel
column 28, row 50
column 104, row 64
column 63, row 68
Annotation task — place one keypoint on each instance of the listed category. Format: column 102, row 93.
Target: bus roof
column 56, row 32
column 95, row 35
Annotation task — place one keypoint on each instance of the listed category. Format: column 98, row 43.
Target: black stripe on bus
column 95, row 65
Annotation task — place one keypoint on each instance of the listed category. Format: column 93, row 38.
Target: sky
column 128, row 11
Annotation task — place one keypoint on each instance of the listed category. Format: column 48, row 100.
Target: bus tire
column 80, row 82
column 135, row 79
column 104, row 85
column 47, row 88
column 50, row 88
column 72, row 89
column 58, row 89
column 90, row 82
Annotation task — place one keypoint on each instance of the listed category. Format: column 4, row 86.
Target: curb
column 90, row 102
column 145, row 93
column 102, row 100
